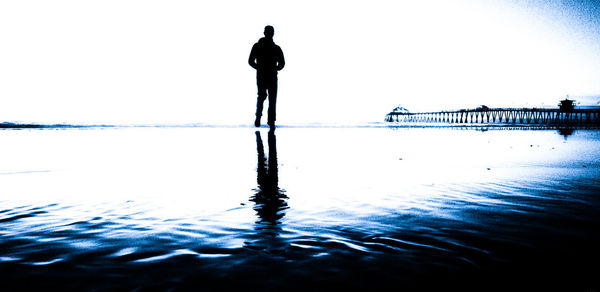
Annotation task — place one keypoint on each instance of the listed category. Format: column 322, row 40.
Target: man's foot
column 257, row 123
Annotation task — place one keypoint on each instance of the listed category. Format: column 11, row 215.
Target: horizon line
column 36, row 126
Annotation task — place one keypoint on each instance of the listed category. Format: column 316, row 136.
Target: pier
column 528, row 116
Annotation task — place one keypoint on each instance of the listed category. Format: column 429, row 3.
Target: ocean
column 299, row 208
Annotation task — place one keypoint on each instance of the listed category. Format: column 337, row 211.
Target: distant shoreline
column 504, row 126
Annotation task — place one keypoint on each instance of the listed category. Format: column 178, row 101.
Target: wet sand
column 300, row 208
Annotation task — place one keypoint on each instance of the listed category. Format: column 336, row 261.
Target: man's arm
column 280, row 59
column 252, row 58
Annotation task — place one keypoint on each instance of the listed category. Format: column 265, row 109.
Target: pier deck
column 502, row 116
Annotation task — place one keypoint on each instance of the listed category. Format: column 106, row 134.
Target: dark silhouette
column 267, row 58
column 566, row 132
column 269, row 199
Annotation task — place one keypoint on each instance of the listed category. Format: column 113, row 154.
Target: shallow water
column 320, row 207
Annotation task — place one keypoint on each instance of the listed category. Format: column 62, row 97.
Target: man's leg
column 272, row 100
column 262, row 95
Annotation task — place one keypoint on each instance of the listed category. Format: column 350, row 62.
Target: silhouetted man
column 267, row 58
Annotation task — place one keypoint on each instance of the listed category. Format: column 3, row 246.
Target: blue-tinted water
column 210, row 208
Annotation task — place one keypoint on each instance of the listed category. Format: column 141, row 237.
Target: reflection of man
column 269, row 200
column 267, row 58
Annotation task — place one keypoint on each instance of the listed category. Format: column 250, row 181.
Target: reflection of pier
column 564, row 130
column 502, row 116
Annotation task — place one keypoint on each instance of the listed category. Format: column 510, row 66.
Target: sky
column 171, row 62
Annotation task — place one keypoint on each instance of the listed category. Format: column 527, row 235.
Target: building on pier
column 566, row 105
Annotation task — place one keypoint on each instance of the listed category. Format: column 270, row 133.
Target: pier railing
column 501, row 116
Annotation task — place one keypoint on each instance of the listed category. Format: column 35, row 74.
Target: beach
column 212, row 208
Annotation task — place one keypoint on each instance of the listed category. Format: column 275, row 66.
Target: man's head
column 269, row 31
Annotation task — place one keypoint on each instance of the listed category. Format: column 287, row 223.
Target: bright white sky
column 346, row 61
